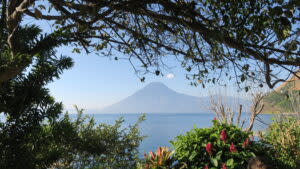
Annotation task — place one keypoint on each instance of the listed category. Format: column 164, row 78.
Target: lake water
column 160, row 128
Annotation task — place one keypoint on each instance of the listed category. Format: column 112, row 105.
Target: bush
column 101, row 147
column 284, row 137
column 220, row 146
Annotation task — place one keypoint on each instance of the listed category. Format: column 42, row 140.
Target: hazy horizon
column 156, row 97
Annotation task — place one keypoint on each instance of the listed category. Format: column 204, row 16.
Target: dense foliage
column 26, row 104
column 284, row 137
column 221, row 145
column 100, row 146
column 213, row 39
column 34, row 135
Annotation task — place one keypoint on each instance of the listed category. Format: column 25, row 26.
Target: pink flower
column 246, row 143
column 209, row 148
column 224, row 166
column 223, row 135
column 205, row 167
column 215, row 118
column 158, row 151
column 152, row 155
column 232, row 148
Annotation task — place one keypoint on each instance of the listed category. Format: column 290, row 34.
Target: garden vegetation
column 248, row 41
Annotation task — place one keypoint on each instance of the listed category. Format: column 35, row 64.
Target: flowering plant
column 162, row 158
column 220, row 146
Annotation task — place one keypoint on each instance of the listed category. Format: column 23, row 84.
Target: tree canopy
column 212, row 39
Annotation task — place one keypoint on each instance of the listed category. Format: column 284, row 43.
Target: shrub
column 284, row 137
column 220, row 146
column 101, row 147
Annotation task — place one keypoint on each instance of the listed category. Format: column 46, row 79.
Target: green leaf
column 247, row 88
column 214, row 162
column 243, row 78
column 219, row 154
column 288, row 13
column 157, row 72
column 229, row 162
column 76, row 50
column 277, row 10
column 41, row 6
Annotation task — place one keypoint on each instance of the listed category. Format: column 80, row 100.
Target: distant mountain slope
column 293, row 83
column 285, row 99
column 158, row 98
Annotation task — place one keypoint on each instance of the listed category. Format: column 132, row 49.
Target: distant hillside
column 285, row 99
column 158, row 98
column 293, row 82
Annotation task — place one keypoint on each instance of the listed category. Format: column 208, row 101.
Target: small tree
column 227, row 115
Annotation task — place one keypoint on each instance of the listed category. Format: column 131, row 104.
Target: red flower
column 223, row 135
column 246, row 143
column 205, row 167
column 215, row 118
column 209, row 148
column 224, row 166
column 232, row 148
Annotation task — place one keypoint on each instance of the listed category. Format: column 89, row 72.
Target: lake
column 160, row 128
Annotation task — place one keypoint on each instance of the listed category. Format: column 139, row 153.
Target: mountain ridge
column 156, row 97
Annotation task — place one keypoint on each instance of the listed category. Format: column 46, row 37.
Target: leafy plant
column 220, row 146
column 162, row 159
column 284, row 137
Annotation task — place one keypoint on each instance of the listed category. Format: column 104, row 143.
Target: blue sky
column 95, row 82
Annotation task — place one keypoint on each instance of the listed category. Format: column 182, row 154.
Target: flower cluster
column 223, row 135
column 209, row 148
column 224, row 139
column 224, row 166
column 246, row 143
column 232, row 148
